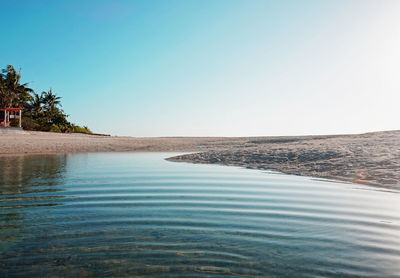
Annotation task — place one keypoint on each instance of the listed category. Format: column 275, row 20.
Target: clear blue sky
column 212, row 68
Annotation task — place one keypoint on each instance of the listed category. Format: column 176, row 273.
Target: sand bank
column 371, row 158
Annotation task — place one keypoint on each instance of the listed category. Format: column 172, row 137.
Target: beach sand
column 371, row 158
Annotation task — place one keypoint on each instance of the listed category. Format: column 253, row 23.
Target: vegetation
column 41, row 112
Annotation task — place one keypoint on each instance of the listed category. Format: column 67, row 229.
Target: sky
column 212, row 68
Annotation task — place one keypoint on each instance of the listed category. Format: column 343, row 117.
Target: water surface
column 135, row 214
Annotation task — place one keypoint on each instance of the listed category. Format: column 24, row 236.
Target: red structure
column 8, row 115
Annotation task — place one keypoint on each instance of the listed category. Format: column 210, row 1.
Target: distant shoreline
column 370, row 158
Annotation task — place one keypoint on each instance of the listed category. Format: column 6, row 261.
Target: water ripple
column 124, row 215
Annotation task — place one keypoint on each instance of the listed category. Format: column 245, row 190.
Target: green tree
column 12, row 92
column 50, row 100
column 36, row 105
column 42, row 112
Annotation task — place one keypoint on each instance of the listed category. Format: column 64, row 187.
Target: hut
column 10, row 115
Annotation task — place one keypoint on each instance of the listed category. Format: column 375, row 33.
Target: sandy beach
column 371, row 158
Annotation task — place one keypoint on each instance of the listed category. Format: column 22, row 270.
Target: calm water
column 124, row 214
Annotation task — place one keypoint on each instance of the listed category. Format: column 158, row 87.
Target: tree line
column 41, row 112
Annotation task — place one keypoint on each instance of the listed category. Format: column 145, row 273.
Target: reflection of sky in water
column 125, row 214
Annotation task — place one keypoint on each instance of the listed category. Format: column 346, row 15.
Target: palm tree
column 50, row 100
column 12, row 93
column 36, row 105
column 3, row 93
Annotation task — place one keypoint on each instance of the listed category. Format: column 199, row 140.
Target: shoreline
column 370, row 158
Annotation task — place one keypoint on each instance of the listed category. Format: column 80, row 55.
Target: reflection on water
column 17, row 172
column 25, row 182
column 92, row 215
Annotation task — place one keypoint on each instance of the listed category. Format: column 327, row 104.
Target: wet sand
column 371, row 158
